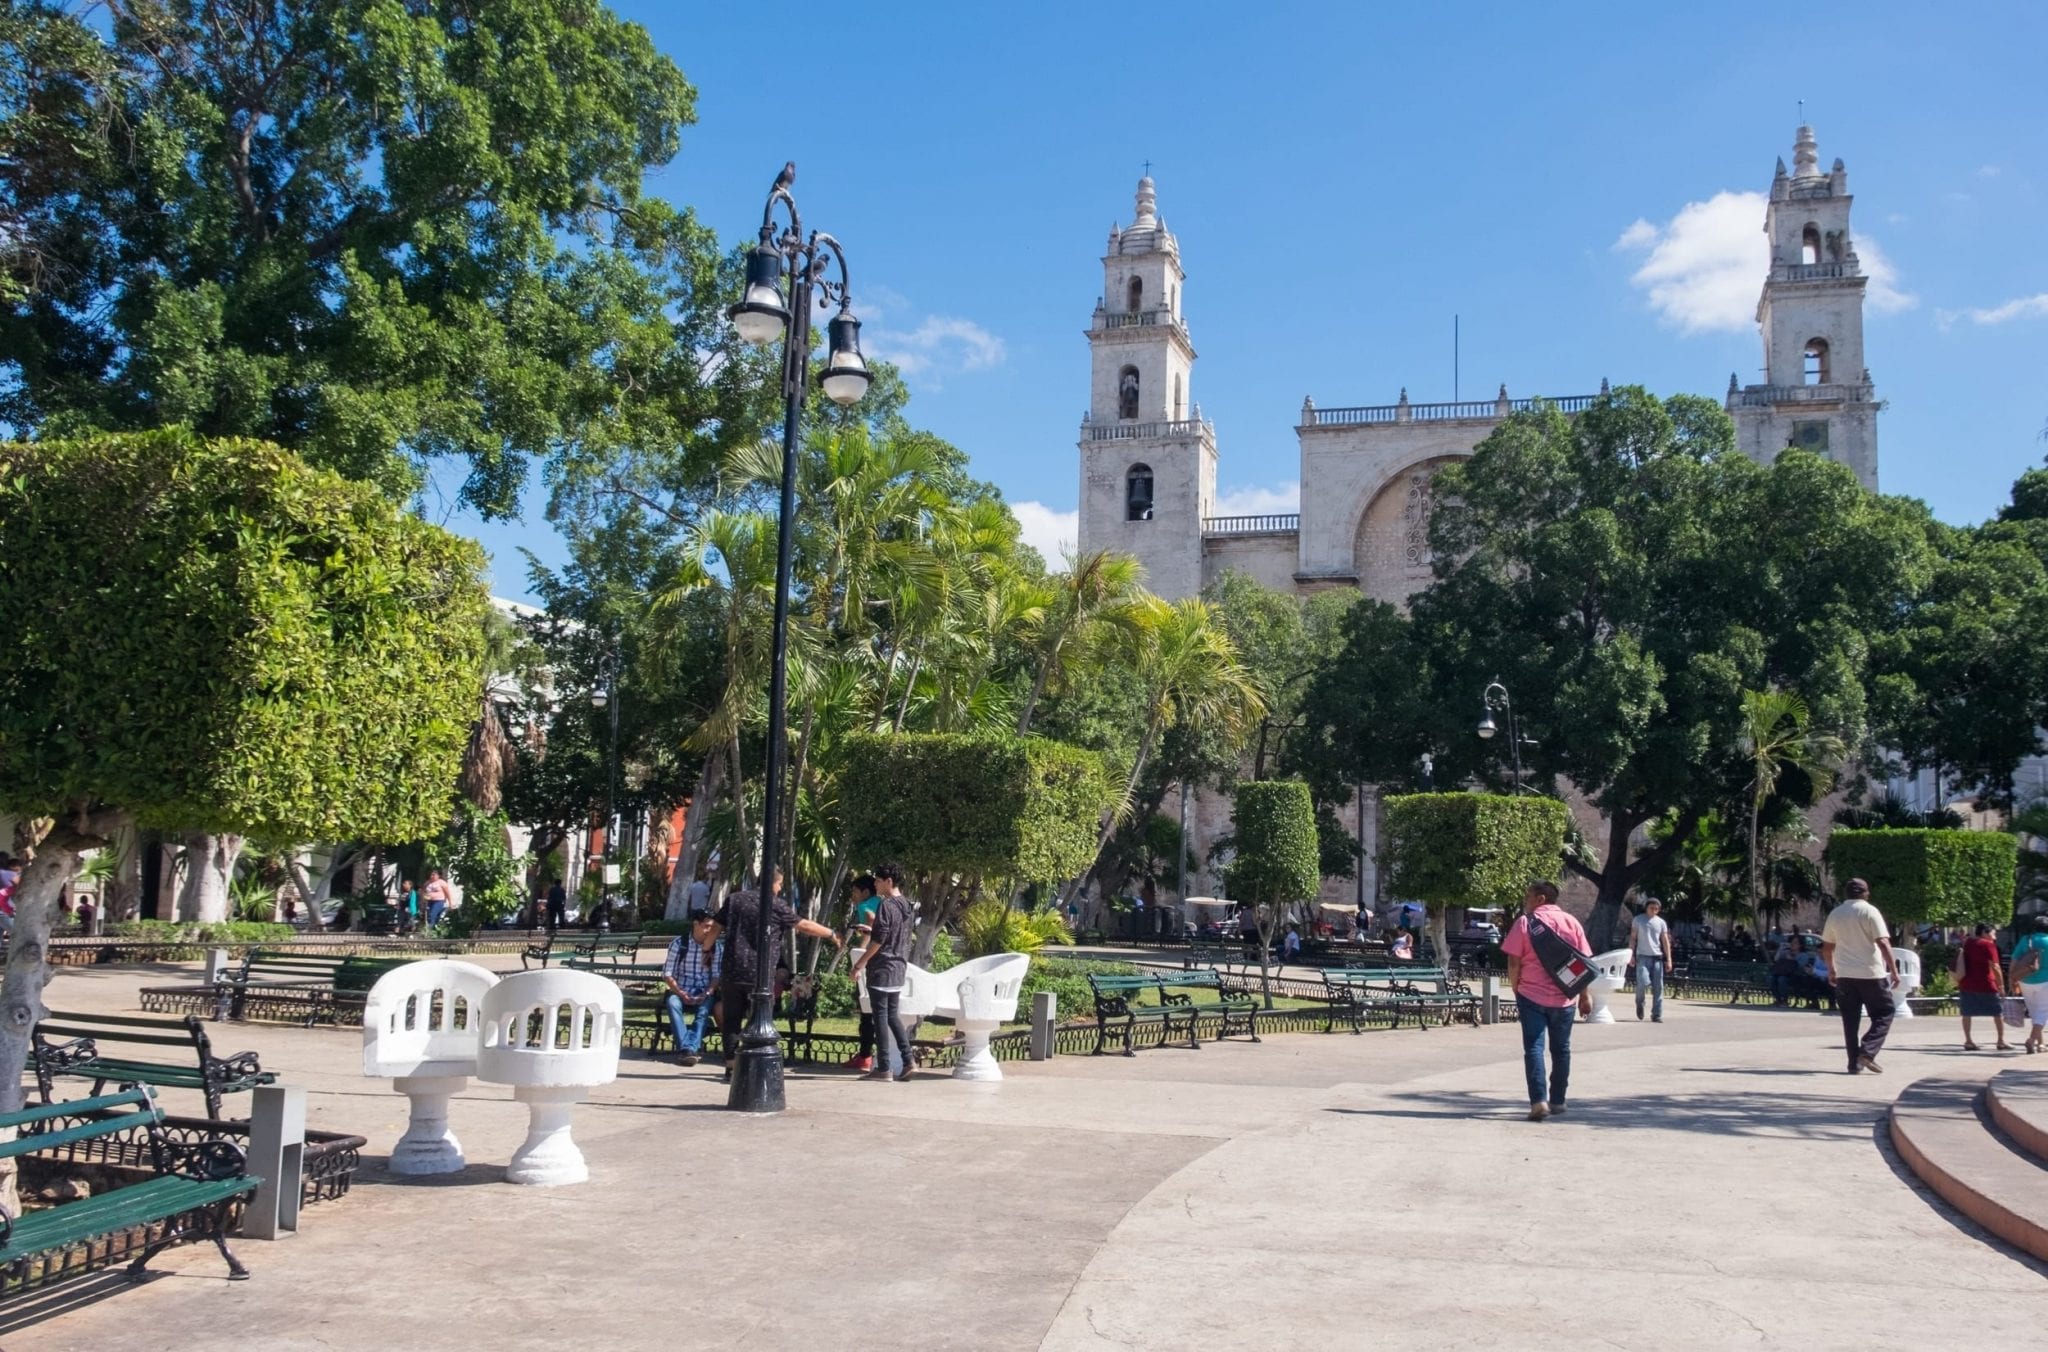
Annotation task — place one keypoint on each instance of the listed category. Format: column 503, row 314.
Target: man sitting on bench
column 692, row 972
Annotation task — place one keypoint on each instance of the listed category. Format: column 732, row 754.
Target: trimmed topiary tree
column 210, row 635
column 1277, row 864
column 963, row 810
column 1940, row 877
column 1471, row 849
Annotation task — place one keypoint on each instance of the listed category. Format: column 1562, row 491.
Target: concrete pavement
column 1719, row 1182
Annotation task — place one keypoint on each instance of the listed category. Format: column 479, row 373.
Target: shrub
column 1472, row 849
column 1941, row 877
column 987, row 806
column 1067, row 979
column 194, row 932
column 1274, row 828
column 991, row 926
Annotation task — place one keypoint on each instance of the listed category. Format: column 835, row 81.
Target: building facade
column 1149, row 458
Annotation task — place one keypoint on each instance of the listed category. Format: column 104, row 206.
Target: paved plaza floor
column 1718, row 1183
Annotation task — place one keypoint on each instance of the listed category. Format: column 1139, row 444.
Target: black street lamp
column 785, row 278
column 605, row 695
column 1496, row 697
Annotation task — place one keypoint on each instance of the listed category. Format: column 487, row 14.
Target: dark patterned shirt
column 738, row 917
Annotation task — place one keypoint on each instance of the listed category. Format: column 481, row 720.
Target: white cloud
column 939, row 345
column 1705, row 266
column 1278, row 498
column 1052, row 533
column 1883, row 294
column 2022, row 307
column 1989, row 171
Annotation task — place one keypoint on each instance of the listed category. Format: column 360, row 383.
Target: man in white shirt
column 1857, row 948
column 1650, row 945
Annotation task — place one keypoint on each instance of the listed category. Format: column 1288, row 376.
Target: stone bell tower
column 1818, row 394
column 1148, row 459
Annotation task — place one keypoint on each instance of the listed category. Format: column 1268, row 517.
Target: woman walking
column 2029, row 976
column 1979, row 982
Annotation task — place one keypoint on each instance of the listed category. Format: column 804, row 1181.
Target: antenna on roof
column 1454, row 359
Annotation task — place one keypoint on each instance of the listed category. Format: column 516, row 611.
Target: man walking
column 742, row 965
column 692, row 972
column 886, row 960
column 1545, row 1010
column 860, row 921
column 1855, row 945
column 1650, row 940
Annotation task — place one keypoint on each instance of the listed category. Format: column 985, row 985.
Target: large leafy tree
column 375, row 231
column 332, row 646
column 1627, row 573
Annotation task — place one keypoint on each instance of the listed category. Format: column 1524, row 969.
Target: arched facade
column 1390, row 550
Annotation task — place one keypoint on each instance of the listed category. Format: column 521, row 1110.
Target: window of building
column 1137, row 296
column 1138, row 493
column 1809, row 244
column 1127, row 393
column 1817, row 362
column 1177, row 414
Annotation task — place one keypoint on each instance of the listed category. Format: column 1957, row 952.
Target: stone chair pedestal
column 429, row 1145
column 549, row 1156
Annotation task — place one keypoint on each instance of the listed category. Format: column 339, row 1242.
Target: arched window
column 1809, row 244
column 1817, row 362
column 1137, row 296
column 1127, row 393
column 1138, row 493
column 1177, row 414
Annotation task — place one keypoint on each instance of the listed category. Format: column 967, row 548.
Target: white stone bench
column 980, row 996
column 1906, row 967
column 422, row 1026
column 553, row 1036
column 1612, row 967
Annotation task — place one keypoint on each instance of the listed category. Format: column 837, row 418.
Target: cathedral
column 1148, row 457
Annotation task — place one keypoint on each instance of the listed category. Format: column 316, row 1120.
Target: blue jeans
column 1650, row 974
column 435, row 910
column 688, row 1022
column 1536, row 1021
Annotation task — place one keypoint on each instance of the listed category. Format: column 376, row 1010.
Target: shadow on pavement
column 1735, row 1113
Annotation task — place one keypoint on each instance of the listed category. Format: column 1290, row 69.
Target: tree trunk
column 1109, row 827
column 909, row 684
column 124, row 889
column 737, row 871
column 209, row 867
column 709, row 781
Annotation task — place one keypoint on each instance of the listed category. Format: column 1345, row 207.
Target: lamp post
column 785, row 278
column 606, row 696
column 1496, row 697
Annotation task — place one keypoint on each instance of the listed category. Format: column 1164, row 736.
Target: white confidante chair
column 1612, row 967
column 982, row 998
column 422, row 1026
column 553, row 1036
column 1906, row 967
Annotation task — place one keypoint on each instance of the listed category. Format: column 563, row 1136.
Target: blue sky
column 1344, row 180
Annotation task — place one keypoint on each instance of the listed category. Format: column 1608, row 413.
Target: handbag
column 1572, row 970
column 2014, row 1010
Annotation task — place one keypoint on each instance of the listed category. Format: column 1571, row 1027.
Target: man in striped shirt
column 692, row 971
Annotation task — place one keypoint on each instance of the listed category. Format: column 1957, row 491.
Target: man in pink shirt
column 1544, row 1007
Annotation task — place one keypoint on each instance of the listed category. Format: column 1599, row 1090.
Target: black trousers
column 889, row 1028
column 732, row 1017
column 1856, row 994
column 867, row 1032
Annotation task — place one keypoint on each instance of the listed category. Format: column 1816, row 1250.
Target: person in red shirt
column 1546, row 1011
column 1978, row 983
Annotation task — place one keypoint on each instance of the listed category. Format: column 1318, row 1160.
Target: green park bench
column 194, row 1192
column 306, row 988
column 1356, row 993
column 73, row 1045
column 1177, row 1013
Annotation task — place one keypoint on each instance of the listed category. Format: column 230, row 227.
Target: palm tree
column 1775, row 737
column 1099, row 590
column 1191, row 674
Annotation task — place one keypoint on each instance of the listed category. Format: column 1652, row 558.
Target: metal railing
column 1270, row 523
column 1467, row 409
column 1137, row 431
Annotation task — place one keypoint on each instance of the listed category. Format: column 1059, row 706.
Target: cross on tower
column 1802, row 112
column 1148, row 168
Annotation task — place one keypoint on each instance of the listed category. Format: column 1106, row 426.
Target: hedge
column 1940, row 877
column 1472, row 849
column 982, row 805
column 1275, row 835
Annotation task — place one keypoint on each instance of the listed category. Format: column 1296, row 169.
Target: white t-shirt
column 1649, row 935
column 1854, row 928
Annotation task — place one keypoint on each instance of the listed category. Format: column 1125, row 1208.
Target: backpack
column 1560, row 958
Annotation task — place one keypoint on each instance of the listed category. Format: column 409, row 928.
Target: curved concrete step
column 2018, row 1102
column 1937, row 1129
